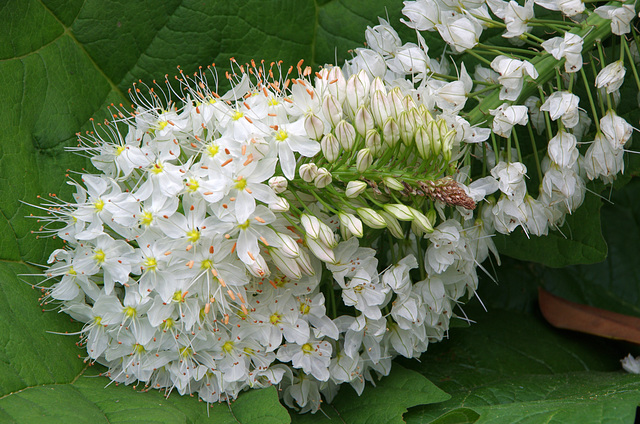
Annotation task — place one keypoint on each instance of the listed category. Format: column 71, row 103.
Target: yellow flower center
column 119, row 150
column 147, row 218
column 275, row 318
column 177, row 296
column 162, row 125
column 157, row 168
column 167, row 324
column 227, row 346
column 138, row 348
column 237, row 115
column 193, row 185
column 307, row 348
column 281, row 135
column 186, row 351
column 304, row 308
column 241, row 183
column 193, row 235
column 151, row 264
column 130, row 311
column 206, row 264
column 99, row 205
column 99, row 256
column 213, row 149
column 273, row 102
column 71, row 271
column 244, row 225
column 97, row 320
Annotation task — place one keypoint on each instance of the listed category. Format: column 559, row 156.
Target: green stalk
column 592, row 29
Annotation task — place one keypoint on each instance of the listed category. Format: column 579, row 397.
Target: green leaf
column 511, row 367
column 383, row 404
column 579, row 241
column 613, row 284
column 87, row 401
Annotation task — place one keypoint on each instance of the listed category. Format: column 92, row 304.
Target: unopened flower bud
column 392, row 183
column 281, row 205
column 351, row 222
column 423, row 142
column 346, row 135
column 363, row 120
column 379, row 108
column 321, row 251
column 408, row 103
column 395, row 103
column 308, row 172
column 357, row 90
column 332, row 110
column 323, row 178
column 373, row 141
column 288, row 245
column 330, row 147
column 364, row 159
column 311, row 225
column 304, row 261
column 371, row 218
column 288, row 266
column 355, row 188
column 400, row 211
column 377, row 85
column 432, row 216
column 421, row 221
column 391, row 132
column 392, row 224
column 278, row 184
column 407, row 127
column 327, row 236
column 313, row 126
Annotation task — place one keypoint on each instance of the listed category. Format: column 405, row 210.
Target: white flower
column 611, row 76
column 312, row 357
column 512, row 73
column 517, row 17
column 569, row 47
column 562, row 149
column 563, row 104
column 460, row 31
column 620, row 16
column 615, row 129
column 602, row 160
column 505, row 117
column 631, row 364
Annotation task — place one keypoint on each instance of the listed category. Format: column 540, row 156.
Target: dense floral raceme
column 304, row 228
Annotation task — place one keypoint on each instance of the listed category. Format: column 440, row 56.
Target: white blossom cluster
column 304, row 231
column 227, row 243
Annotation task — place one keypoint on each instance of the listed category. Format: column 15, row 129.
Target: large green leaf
column 384, row 404
column 612, row 284
column 511, row 367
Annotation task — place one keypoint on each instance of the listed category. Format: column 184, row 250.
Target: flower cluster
column 302, row 231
